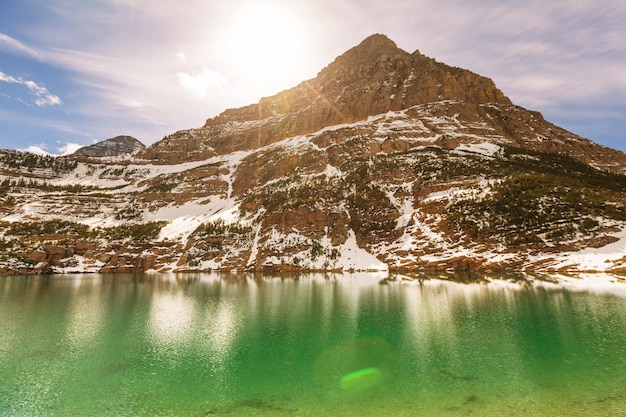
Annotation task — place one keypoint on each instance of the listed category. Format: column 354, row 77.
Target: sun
column 268, row 40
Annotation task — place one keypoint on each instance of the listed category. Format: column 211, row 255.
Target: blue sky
column 74, row 72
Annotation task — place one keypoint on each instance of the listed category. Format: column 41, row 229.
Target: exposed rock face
column 371, row 79
column 118, row 145
column 386, row 160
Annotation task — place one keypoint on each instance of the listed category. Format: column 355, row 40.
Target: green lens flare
column 361, row 380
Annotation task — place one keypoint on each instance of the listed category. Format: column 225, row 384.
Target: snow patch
column 485, row 148
column 591, row 259
column 355, row 258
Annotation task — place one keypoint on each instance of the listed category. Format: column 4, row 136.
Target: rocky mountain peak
column 377, row 42
column 371, row 49
column 383, row 77
column 376, row 56
column 451, row 105
column 111, row 147
column 372, row 78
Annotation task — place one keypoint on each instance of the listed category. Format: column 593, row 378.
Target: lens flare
column 361, row 380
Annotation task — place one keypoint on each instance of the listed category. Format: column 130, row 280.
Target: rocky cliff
column 374, row 78
column 386, row 160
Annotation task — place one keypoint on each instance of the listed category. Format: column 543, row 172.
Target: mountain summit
column 386, row 160
column 395, row 79
column 118, row 145
column 371, row 79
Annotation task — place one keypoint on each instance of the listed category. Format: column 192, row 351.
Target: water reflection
column 86, row 314
column 170, row 317
column 355, row 344
column 221, row 327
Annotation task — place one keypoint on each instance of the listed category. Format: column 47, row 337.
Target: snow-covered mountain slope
column 445, row 178
column 382, row 193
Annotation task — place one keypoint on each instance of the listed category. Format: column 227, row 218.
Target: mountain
column 371, row 79
column 386, row 160
column 118, row 145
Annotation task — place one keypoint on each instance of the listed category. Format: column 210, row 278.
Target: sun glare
column 267, row 40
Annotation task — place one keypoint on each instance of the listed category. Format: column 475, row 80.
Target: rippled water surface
column 317, row 345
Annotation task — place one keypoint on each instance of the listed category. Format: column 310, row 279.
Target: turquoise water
column 317, row 345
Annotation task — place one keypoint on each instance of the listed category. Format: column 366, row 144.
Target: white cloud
column 41, row 149
column 142, row 96
column 42, row 96
column 13, row 45
column 68, row 148
column 202, row 84
column 8, row 78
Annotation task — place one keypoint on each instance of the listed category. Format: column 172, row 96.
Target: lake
column 311, row 345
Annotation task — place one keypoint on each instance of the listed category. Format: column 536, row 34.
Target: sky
column 75, row 72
